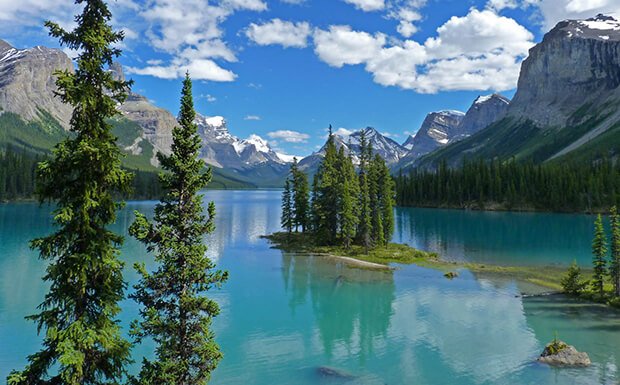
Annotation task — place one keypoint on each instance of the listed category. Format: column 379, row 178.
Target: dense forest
column 18, row 177
column 343, row 206
column 513, row 185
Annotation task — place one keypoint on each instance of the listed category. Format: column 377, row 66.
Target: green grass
column 545, row 277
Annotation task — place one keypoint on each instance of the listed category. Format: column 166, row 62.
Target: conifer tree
column 327, row 194
column 386, row 199
column 301, row 196
column 287, row 207
column 615, row 250
column 365, row 221
column 82, row 342
column 376, row 212
column 349, row 192
column 175, row 311
column 599, row 253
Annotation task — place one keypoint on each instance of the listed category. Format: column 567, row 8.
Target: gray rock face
column 221, row 149
column 157, row 123
column 483, row 112
column 577, row 62
column 27, row 82
column 566, row 356
column 436, row 131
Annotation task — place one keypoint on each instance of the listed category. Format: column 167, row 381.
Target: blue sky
column 285, row 69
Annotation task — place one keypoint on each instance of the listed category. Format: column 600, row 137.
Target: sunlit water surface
column 285, row 316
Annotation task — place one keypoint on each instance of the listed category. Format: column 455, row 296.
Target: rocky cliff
column 567, row 104
column 436, row 131
column 27, row 82
column 484, row 111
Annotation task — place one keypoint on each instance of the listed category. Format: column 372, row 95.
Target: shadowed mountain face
column 566, row 105
column 442, row 128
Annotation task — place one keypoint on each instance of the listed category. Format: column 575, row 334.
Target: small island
column 347, row 214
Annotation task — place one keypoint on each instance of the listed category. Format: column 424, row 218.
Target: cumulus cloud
column 479, row 51
column 200, row 69
column 553, row 11
column 341, row 45
column 276, row 31
column 289, row 136
column 367, row 5
column 190, row 32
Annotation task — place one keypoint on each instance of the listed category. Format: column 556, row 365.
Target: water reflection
column 497, row 237
column 352, row 307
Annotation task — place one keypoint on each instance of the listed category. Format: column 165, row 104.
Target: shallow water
column 284, row 316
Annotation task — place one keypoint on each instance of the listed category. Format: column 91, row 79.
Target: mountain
column 389, row 149
column 566, row 107
column 437, row 129
column 483, row 111
column 27, row 83
column 33, row 119
column 252, row 158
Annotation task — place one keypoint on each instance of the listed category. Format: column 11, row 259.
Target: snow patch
column 288, row 158
column 602, row 25
column 215, row 121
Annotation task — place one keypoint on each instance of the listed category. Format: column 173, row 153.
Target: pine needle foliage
column 82, row 342
column 599, row 256
column 614, row 270
column 175, row 311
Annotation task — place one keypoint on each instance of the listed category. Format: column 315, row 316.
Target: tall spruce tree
column 599, row 254
column 377, row 235
column 386, row 193
column 82, row 343
column 301, row 197
column 287, row 207
column 326, row 194
column 365, row 221
column 615, row 250
column 348, row 205
column 175, row 311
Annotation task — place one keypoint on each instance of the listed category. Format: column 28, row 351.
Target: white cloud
column 553, row 11
column 252, row 117
column 340, row 45
column 289, row 136
column 367, row 5
column 190, row 32
column 280, row 32
column 498, row 5
column 479, row 51
column 199, row 69
column 343, row 132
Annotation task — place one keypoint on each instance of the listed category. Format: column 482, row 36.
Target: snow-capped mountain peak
column 222, row 149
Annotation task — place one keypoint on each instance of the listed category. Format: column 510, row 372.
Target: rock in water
column 559, row 353
column 326, row 371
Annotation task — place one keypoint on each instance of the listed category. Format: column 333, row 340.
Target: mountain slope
column 568, row 95
column 389, row 149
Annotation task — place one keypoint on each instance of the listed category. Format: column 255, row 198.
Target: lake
column 285, row 315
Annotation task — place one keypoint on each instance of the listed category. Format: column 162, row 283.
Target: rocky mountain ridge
column 567, row 104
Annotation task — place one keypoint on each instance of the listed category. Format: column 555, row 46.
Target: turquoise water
column 284, row 316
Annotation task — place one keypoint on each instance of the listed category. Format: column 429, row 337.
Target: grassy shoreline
column 545, row 277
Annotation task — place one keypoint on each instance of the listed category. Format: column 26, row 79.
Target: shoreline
column 546, row 279
column 499, row 208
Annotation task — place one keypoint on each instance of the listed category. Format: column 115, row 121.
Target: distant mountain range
column 567, row 107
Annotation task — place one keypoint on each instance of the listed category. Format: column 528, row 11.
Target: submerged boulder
column 326, row 371
column 559, row 353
